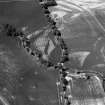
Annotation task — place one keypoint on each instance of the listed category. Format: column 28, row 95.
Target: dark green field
column 22, row 81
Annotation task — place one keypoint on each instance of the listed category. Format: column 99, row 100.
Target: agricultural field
column 22, row 80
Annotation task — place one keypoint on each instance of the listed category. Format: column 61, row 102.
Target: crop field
column 84, row 34
column 22, row 81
